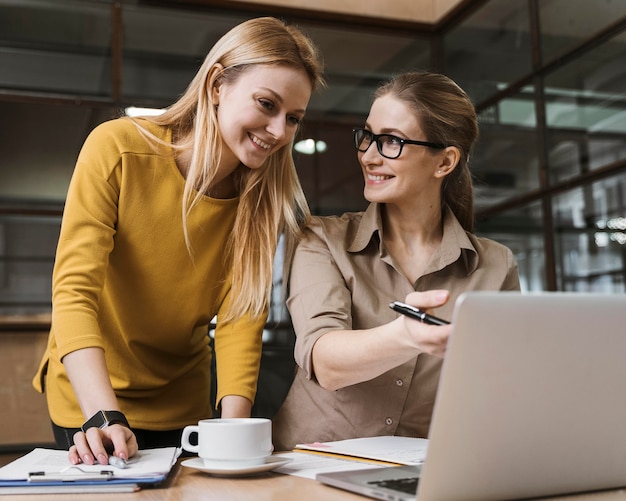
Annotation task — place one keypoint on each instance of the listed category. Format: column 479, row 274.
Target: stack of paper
column 49, row 471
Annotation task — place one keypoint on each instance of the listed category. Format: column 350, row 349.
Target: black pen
column 416, row 313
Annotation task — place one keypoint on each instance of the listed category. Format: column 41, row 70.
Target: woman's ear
column 449, row 160
column 214, row 81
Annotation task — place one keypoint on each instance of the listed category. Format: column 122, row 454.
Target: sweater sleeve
column 238, row 347
column 85, row 242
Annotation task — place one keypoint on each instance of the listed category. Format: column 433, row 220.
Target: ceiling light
column 135, row 111
column 321, row 146
column 310, row 146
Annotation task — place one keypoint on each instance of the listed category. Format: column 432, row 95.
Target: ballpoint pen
column 416, row 313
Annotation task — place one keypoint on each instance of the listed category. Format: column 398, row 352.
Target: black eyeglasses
column 389, row 146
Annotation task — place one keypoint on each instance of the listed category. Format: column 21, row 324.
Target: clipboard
column 70, row 474
column 47, row 471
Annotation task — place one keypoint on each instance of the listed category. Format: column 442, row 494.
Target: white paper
column 303, row 464
column 147, row 463
column 400, row 450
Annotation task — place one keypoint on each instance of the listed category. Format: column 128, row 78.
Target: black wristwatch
column 102, row 419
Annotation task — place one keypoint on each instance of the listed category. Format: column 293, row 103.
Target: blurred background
column 547, row 78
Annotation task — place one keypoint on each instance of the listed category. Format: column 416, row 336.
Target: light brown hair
column 447, row 116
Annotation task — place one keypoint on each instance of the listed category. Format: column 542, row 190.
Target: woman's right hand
column 96, row 444
column 87, row 371
column 431, row 339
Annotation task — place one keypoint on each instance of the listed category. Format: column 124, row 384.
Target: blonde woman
column 170, row 221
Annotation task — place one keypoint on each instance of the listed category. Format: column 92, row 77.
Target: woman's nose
column 277, row 127
column 371, row 154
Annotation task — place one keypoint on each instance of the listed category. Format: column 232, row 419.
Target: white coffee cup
column 237, row 442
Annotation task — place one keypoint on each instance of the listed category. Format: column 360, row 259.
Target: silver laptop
column 531, row 402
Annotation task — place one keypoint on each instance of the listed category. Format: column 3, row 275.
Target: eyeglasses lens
column 389, row 146
column 362, row 139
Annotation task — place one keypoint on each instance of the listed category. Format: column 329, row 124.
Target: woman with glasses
column 362, row 369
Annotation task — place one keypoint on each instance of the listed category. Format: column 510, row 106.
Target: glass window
column 27, row 247
column 521, row 230
column 567, row 23
column 504, row 163
column 55, row 46
column 590, row 232
column 357, row 61
column 586, row 112
column 39, row 150
column 490, row 49
column 163, row 49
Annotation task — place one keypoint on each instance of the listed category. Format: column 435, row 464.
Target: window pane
column 504, row 163
column 590, row 232
column 40, row 149
column 490, row 49
column 357, row 61
column 586, row 112
column 27, row 247
column 521, row 230
column 567, row 23
column 55, row 46
column 163, row 49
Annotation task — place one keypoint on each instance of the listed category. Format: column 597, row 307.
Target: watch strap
column 102, row 419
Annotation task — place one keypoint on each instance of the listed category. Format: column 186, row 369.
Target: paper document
column 307, row 460
column 390, row 449
column 306, row 465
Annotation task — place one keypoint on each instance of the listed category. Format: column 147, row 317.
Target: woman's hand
column 345, row 357
column 431, row 339
column 87, row 371
column 96, row 444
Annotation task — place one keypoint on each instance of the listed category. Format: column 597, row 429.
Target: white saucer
column 234, row 471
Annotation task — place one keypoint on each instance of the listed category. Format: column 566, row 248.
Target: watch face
column 104, row 418
column 98, row 420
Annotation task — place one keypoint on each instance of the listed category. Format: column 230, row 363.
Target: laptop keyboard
column 408, row 485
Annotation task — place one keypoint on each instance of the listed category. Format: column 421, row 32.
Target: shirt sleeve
column 511, row 280
column 316, row 283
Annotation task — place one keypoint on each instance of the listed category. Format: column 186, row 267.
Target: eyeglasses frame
column 401, row 140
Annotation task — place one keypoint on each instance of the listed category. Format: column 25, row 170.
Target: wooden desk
column 186, row 484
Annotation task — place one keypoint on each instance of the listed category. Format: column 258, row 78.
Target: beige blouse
column 343, row 278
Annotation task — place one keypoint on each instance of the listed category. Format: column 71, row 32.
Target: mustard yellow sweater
column 124, row 281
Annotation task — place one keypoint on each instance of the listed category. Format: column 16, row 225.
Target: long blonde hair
column 271, row 200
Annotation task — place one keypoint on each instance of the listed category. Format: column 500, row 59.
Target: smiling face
column 414, row 174
column 259, row 113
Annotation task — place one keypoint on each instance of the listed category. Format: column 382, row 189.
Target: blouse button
column 389, row 421
column 399, row 382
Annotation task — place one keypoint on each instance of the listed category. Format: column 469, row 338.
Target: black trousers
column 146, row 439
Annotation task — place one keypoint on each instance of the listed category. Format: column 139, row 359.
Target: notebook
column 531, row 402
